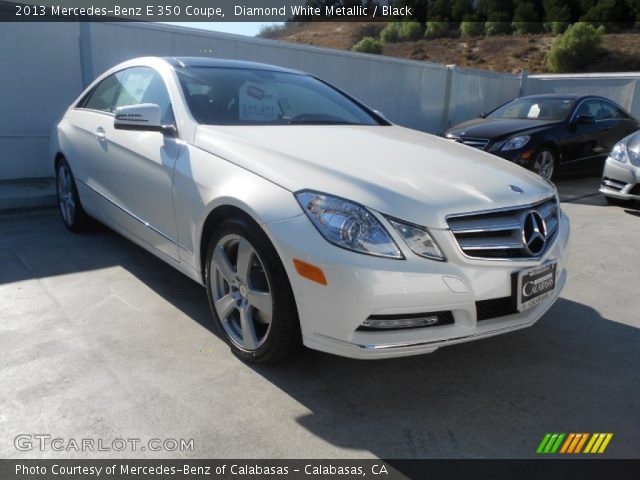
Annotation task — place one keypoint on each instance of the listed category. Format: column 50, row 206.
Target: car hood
column 495, row 128
column 404, row 173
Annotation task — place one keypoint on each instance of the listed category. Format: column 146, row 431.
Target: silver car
column 621, row 175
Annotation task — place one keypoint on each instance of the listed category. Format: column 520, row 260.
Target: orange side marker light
column 310, row 272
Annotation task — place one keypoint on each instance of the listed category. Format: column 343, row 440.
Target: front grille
column 499, row 233
column 613, row 184
column 479, row 143
column 495, row 307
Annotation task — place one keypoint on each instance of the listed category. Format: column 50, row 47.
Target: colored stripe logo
column 574, row 443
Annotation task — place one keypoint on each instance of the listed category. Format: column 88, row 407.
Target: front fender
column 204, row 182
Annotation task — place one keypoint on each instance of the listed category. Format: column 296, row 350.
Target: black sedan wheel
column 544, row 164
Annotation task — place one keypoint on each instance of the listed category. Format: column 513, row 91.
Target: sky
column 240, row 28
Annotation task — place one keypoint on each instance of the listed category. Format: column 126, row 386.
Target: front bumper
column 359, row 286
column 620, row 180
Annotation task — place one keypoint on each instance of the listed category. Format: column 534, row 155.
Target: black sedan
column 549, row 133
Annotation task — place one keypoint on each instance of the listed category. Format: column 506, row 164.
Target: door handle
column 100, row 133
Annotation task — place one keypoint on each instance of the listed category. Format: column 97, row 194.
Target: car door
column 135, row 169
column 85, row 149
column 584, row 147
column 618, row 123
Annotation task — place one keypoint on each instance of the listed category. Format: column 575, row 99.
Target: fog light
column 396, row 322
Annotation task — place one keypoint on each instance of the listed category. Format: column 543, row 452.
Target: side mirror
column 584, row 120
column 482, row 115
column 142, row 117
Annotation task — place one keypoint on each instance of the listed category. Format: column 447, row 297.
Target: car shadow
column 574, row 371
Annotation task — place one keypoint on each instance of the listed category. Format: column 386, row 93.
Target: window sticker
column 534, row 111
column 258, row 102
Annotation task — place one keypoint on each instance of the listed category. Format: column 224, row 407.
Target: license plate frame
column 535, row 285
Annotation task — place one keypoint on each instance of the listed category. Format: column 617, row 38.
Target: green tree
column 461, row 9
column 436, row 29
column 471, row 27
column 438, row 10
column 603, row 11
column 525, row 19
column 575, row 49
column 409, row 31
column 391, row 32
column 557, row 16
column 497, row 24
column 489, row 8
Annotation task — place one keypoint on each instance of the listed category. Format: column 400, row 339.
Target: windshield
column 534, row 109
column 234, row 96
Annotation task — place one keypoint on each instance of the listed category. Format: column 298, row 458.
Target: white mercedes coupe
column 309, row 217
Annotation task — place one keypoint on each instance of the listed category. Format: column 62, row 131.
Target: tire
column 73, row 215
column 618, row 202
column 240, row 302
column 544, row 163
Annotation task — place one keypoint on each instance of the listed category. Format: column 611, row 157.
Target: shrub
column 391, row 33
column 557, row 28
column 575, row 49
column 409, row 31
column 497, row 24
column 437, row 29
column 368, row 45
column 471, row 28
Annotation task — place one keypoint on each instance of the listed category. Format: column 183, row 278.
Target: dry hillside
column 621, row 51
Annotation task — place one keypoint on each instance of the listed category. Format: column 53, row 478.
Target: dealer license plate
column 535, row 285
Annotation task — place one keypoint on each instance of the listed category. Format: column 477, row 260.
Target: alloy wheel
column 241, row 292
column 66, row 200
column 544, row 164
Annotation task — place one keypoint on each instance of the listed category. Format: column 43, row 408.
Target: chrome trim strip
column 488, row 228
column 502, row 209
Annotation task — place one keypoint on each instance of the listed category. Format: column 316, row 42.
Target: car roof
column 567, row 96
column 187, row 62
column 559, row 96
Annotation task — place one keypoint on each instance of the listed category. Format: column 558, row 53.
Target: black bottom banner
column 318, row 469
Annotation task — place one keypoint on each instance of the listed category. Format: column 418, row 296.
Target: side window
column 103, row 95
column 609, row 111
column 589, row 107
column 145, row 85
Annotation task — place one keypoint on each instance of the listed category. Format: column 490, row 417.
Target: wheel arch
column 58, row 157
column 550, row 145
column 214, row 218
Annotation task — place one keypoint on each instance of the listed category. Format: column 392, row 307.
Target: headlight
column 619, row 152
column 515, row 143
column 634, row 156
column 418, row 239
column 347, row 225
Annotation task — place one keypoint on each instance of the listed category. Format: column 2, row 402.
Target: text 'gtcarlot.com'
column 26, row 442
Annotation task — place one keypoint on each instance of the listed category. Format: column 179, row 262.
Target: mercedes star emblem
column 534, row 232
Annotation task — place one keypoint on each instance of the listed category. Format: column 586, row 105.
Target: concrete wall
column 622, row 88
column 48, row 64
column 39, row 76
column 44, row 66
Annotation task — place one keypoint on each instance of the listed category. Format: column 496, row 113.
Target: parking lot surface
column 101, row 340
